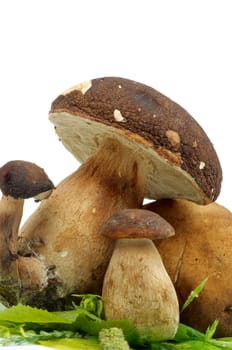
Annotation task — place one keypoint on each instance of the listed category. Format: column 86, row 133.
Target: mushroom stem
column 136, row 285
column 11, row 211
column 10, row 216
column 68, row 223
column 19, row 276
column 120, row 170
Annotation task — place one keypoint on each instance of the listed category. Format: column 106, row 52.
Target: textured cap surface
column 137, row 223
column 21, row 179
column 200, row 248
column 141, row 117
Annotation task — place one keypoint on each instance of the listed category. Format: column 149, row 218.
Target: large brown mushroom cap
column 201, row 248
column 184, row 162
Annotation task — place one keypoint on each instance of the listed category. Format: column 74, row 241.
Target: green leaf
column 191, row 345
column 211, row 331
column 91, row 302
column 194, row 294
column 93, row 327
column 188, row 333
column 26, row 314
column 74, row 320
column 222, row 344
column 4, row 332
column 71, row 344
column 66, row 329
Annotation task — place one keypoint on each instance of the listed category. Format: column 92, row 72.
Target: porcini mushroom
column 201, row 248
column 19, row 180
column 134, row 143
column 136, row 285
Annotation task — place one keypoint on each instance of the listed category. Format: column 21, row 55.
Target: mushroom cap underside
column 184, row 163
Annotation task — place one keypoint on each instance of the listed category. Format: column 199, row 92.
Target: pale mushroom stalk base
column 11, row 211
column 18, row 275
column 137, row 286
column 64, row 230
column 10, row 216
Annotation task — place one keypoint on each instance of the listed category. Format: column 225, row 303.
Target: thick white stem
column 137, row 287
column 64, row 231
column 10, row 217
column 19, row 276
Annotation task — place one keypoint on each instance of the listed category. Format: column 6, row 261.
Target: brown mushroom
column 201, row 248
column 18, row 180
column 134, row 143
column 136, row 285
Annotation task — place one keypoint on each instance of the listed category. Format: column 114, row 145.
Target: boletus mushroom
column 201, row 248
column 136, row 285
column 19, row 180
column 133, row 142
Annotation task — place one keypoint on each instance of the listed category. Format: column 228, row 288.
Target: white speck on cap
column 83, row 87
column 118, row 116
column 202, row 165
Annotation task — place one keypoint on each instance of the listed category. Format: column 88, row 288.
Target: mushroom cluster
column 133, row 143
column 20, row 277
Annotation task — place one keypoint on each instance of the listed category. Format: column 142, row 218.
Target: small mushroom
column 18, row 180
column 133, row 142
column 136, row 285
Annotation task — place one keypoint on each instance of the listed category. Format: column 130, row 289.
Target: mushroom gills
column 163, row 180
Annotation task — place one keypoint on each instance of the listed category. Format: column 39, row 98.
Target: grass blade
column 194, row 294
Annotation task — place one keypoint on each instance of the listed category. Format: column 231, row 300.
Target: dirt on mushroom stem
column 18, row 180
column 64, row 230
column 11, row 210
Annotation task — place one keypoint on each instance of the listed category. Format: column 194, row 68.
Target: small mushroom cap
column 21, row 179
column 137, row 223
column 183, row 161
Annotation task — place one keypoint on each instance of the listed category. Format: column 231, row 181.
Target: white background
column 181, row 48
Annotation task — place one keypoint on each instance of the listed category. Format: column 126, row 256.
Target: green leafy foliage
column 194, row 294
column 112, row 339
column 25, row 314
column 91, row 302
column 71, row 344
column 81, row 327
